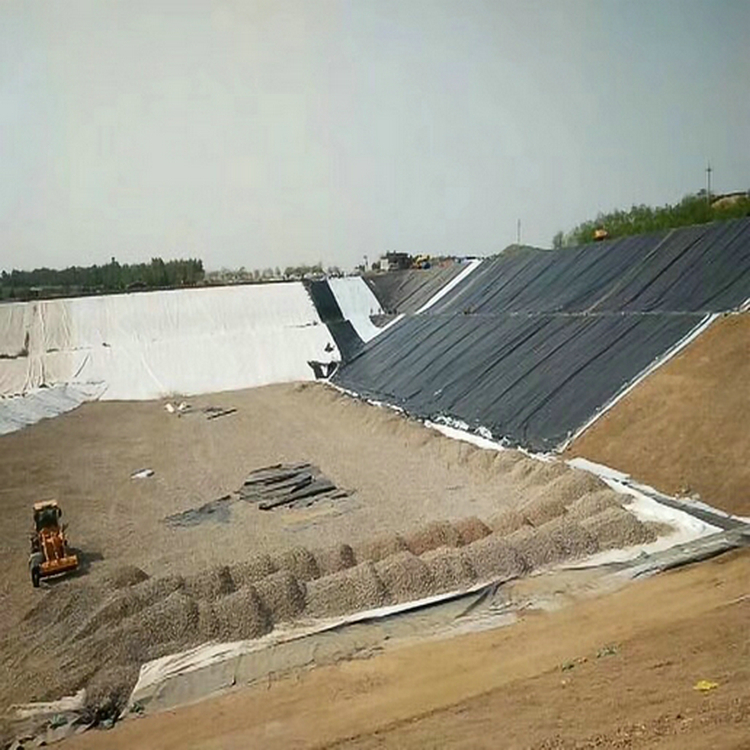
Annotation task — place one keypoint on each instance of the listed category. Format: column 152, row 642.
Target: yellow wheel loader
column 50, row 555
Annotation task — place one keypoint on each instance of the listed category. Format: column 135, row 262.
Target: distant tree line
column 692, row 209
column 112, row 277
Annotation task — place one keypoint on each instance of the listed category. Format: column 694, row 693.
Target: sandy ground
column 614, row 672
column 402, row 477
column 685, row 428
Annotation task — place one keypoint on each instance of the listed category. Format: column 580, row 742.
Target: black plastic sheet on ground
column 704, row 268
column 531, row 379
column 406, row 291
column 347, row 339
column 534, row 342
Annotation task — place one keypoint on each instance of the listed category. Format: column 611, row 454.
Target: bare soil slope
column 685, row 428
column 612, row 672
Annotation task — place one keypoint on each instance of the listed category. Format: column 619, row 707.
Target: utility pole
column 708, row 183
column 518, row 232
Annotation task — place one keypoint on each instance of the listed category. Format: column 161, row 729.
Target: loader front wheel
column 36, row 576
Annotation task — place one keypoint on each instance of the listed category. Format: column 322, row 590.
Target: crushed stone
column 594, row 502
column 334, row 559
column 351, row 590
column 298, row 561
column 405, row 577
column 494, row 559
column 281, row 595
column 433, row 535
column 380, row 547
column 470, row 529
column 252, row 570
column 451, row 569
column 210, row 584
column 616, row 527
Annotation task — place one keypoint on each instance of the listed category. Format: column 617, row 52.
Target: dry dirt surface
column 685, row 428
column 612, row 672
column 426, row 514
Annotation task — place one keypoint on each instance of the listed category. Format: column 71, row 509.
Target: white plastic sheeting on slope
column 148, row 345
column 17, row 412
column 357, row 303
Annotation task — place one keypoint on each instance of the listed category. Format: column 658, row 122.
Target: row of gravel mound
column 300, row 582
column 615, row 527
column 90, row 630
column 357, row 588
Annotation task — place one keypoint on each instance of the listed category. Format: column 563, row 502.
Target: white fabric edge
column 472, row 266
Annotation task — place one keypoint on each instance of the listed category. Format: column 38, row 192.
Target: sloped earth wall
column 534, row 342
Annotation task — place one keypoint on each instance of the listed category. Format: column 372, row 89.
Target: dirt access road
column 614, row 672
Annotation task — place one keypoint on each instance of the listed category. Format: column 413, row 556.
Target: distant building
column 397, row 261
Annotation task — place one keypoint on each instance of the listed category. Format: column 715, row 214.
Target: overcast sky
column 256, row 133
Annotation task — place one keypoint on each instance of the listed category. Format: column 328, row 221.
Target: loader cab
column 47, row 515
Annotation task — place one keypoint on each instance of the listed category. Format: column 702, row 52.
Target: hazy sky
column 269, row 133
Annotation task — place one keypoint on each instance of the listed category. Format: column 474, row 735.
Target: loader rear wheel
column 36, row 576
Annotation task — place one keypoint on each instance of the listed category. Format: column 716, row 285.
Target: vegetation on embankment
column 692, row 209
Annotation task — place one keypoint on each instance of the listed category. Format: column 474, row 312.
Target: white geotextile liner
column 153, row 344
column 17, row 412
column 154, row 674
column 685, row 527
column 357, row 304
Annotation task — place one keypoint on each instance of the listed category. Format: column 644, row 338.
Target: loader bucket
column 58, row 565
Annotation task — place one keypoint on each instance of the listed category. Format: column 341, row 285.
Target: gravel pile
column 507, row 521
column 335, row 559
column 593, row 503
column 108, row 692
column 542, row 509
column 234, row 617
column 298, row 561
column 615, row 527
column 70, row 606
column 470, row 529
column 505, row 461
column 405, row 577
column 537, row 473
column 124, row 576
column 537, row 546
column 432, row 536
column 380, row 548
column 572, row 485
column 125, row 603
column 172, row 621
column 524, row 470
column 252, row 570
column 282, row 595
column 210, row 584
column 358, row 588
column 575, row 540
column 493, row 558
column 451, row 569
